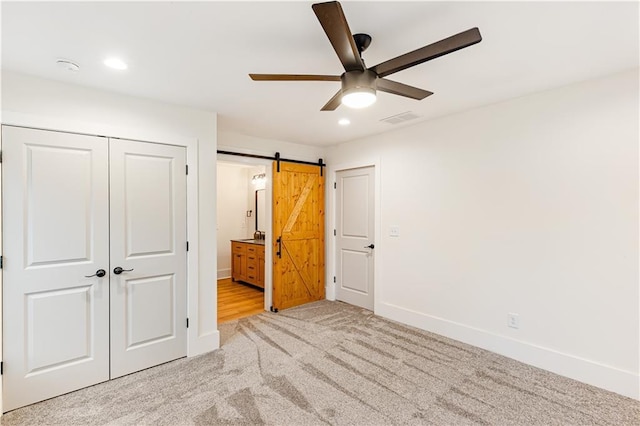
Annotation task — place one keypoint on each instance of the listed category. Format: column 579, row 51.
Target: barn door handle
column 371, row 246
column 118, row 270
column 99, row 273
column 279, row 252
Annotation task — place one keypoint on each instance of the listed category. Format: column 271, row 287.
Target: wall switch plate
column 513, row 320
column 394, row 231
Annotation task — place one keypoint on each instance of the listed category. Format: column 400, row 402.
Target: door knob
column 118, row 270
column 370, row 246
column 99, row 273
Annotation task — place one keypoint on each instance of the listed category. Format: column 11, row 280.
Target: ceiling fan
column 359, row 84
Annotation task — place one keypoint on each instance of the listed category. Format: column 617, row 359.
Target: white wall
column 528, row 206
column 232, row 205
column 52, row 105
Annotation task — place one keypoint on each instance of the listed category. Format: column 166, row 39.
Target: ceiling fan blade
column 333, row 102
column 293, row 77
column 401, row 89
column 426, row 53
column 335, row 26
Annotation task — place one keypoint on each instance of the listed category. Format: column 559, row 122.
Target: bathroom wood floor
column 236, row 300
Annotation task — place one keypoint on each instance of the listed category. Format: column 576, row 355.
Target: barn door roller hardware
column 276, row 158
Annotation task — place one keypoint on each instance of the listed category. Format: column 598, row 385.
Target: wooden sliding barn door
column 298, row 235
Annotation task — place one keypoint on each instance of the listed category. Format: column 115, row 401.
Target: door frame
column 268, row 255
column 331, row 253
column 197, row 341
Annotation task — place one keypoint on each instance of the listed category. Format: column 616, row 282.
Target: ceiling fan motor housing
column 358, row 80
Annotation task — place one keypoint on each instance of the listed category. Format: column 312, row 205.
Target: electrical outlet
column 513, row 320
column 394, row 231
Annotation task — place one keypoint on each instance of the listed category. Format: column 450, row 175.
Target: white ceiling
column 198, row 54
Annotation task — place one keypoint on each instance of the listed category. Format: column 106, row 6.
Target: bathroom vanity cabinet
column 247, row 263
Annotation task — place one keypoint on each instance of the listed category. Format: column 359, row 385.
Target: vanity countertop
column 250, row 241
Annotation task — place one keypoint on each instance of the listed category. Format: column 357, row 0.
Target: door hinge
column 186, row 168
column 334, row 232
column 1, row 368
column 187, row 245
column 335, row 186
column 187, row 322
column 272, row 309
column 0, row 156
column 334, row 279
column 1, row 261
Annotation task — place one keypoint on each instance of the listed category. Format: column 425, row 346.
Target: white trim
column 331, row 208
column 224, row 273
column 11, row 118
column 581, row 369
column 1, row 273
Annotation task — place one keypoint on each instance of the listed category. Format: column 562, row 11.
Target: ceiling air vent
column 400, row 118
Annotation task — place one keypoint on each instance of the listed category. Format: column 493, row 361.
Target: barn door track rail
column 276, row 158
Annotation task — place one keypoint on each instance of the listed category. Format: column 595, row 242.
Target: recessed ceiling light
column 344, row 122
column 68, row 65
column 115, row 63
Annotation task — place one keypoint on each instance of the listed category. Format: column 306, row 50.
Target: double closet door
column 94, row 278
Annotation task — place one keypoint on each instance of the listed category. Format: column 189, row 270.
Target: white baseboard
column 204, row 343
column 603, row 376
column 224, row 273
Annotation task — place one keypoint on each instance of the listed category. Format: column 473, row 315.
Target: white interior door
column 148, row 241
column 355, row 236
column 56, row 233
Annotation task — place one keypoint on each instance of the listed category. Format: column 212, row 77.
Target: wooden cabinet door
column 252, row 264
column 238, row 261
column 260, row 282
column 298, row 227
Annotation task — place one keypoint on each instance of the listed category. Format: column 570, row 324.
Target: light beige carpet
column 331, row 363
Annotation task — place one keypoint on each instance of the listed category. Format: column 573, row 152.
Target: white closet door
column 56, row 232
column 148, row 241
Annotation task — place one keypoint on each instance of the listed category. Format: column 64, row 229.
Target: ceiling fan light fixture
column 359, row 97
column 358, row 88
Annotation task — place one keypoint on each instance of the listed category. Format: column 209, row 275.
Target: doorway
column 243, row 237
column 355, row 236
column 96, row 230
